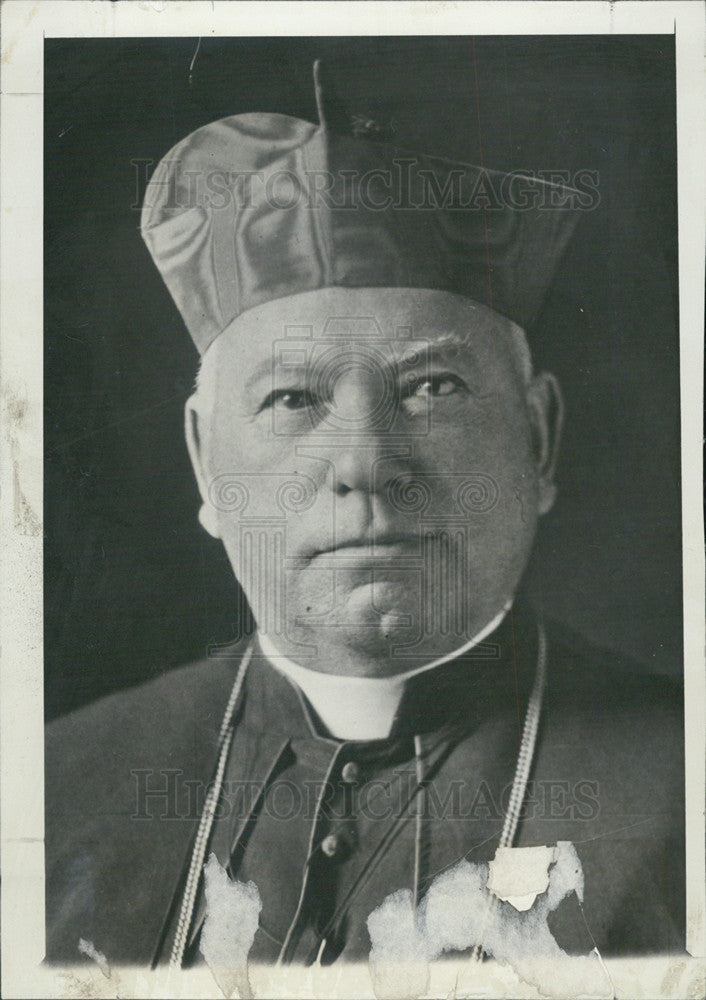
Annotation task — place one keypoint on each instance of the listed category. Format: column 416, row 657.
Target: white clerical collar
column 359, row 708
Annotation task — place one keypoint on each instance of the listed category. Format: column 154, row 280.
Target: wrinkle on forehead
column 449, row 319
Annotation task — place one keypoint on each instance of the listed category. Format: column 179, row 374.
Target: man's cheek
column 230, row 536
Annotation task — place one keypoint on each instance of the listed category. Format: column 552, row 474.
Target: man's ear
column 194, row 432
column 545, row 405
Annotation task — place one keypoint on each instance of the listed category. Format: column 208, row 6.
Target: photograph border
column 24, row 28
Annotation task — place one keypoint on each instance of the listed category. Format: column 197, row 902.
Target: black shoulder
column 603, row 676
column 615, row 722
column 159, row 712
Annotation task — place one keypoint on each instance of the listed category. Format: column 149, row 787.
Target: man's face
column 373, row 461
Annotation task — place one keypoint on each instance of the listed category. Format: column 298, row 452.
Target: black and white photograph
column 365, row 648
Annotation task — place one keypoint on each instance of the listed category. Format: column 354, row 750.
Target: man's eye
column 444, row 384
column 288, row 399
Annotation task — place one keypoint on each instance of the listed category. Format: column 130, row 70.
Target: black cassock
column 327, row 829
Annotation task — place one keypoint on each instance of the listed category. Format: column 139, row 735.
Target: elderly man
column 374, row 450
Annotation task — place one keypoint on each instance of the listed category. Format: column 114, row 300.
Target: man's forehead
column 374, row 317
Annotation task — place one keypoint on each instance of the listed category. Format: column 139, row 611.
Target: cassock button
column 331, row 845
column 350, row 772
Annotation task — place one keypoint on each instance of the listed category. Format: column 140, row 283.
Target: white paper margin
column 24, row 26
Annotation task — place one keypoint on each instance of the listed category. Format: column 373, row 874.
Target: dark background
column 133, row 585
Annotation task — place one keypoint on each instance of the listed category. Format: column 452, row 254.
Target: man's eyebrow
column 266, row 366
column 446, row 345
column 440, row 343
column 446, row 338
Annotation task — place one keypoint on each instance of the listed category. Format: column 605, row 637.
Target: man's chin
column 390, row 599
column 371, row 622
column 369, row 615
column 361, row 649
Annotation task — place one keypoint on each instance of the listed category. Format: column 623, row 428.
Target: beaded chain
column 522, row 772
column 225, row 738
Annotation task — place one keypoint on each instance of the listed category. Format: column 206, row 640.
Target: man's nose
column 367, row 454
column 367, row 465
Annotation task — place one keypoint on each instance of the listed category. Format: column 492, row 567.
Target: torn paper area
column 232, row 918
column 517, row 875
column 458, row 912
column 88, row 949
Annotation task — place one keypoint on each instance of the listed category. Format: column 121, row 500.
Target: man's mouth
column 370, row 546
